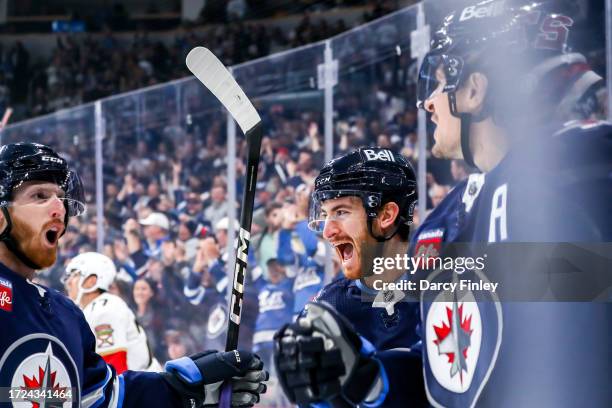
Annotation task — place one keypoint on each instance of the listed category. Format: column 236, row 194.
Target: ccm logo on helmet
column 383, row 154
column 491, row 10
column 51, row 159
column 323, row 180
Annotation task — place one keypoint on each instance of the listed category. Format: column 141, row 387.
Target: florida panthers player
column 120, row 340
column 362, row 203
column 47, row 351
column 499, row 82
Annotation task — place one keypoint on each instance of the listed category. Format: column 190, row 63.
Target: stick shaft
column 253, row 138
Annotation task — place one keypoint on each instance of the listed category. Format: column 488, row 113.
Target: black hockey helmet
column 21, row 162
column 523, row 49
column 375, row 175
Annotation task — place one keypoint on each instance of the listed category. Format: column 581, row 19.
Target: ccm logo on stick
column 384, row 155
column 241, row 264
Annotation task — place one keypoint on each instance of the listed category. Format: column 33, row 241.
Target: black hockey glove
column 320, row 358
column 198, row 378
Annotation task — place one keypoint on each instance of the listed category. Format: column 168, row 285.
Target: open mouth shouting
column 345, row 251
column 52, row 233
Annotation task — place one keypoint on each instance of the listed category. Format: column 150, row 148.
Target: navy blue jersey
column 46, row 343
column 492, row 350
column 445, row 221
column 392, row 328
column 551, row 190
column 385, row 327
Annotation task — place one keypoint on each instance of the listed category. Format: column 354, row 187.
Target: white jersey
column 120, row 340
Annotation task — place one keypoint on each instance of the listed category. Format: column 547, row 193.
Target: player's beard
column 364, row 250
column 370, row 249
column 29, row 242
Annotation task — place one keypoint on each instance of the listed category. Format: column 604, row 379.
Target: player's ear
column 473, row 92
column 90, row 281
column 387, row 215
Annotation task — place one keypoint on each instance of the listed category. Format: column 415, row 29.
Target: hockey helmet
column 374, row 175
column 524, row 51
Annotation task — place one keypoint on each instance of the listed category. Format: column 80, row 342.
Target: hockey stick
column 7, row 115
column 5, row 118
column 210, row 71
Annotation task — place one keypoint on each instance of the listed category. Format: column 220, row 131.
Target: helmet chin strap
column 10, row 243
column 82, row 291
column 466, row 122
column 381, row 238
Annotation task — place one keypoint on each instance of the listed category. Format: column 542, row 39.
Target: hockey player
column 47, row 351
column 499, row 82
column 363, row 204
column 120, row 340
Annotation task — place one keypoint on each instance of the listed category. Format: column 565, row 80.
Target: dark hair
column 153, row 285
column 271, row 207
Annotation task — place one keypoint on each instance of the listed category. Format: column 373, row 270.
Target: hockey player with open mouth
column 341, row 346
column 508, row 96
column 47, row 351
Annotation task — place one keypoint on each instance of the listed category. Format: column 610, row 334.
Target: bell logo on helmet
column 51, row 159
column 382, row 154
column 489, row 10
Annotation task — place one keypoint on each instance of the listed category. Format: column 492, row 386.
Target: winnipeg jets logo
column 453, row 339
column 44, row 372
column 462, row 337
column 216, row 321
column 454, row 333
column 40, row 372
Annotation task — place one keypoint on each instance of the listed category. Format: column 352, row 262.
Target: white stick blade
column 212, row 73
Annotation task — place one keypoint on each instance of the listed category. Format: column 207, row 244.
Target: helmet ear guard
column 401, row 221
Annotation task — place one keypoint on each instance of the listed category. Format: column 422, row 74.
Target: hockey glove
column 320, row 358
column 198, row 378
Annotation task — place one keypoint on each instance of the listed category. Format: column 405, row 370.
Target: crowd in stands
column 118, row 15
column 86, row 67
